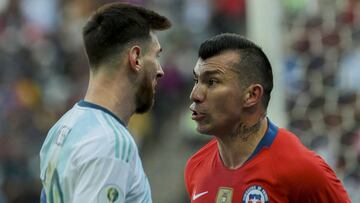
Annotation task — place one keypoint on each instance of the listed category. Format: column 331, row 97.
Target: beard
column 144, row 98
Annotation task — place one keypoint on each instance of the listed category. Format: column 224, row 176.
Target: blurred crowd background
column 43, row 72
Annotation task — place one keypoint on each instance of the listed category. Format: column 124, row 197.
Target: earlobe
column 134, row 58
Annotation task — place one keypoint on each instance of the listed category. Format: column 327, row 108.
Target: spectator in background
column 229, row 16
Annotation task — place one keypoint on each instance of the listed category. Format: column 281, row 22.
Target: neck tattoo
column 244, row 131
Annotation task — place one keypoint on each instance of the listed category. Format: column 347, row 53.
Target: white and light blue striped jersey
column 89, row 156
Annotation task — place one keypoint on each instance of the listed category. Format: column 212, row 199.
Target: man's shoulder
column 105, row 142
column 202, row 155
column 94, row 135
column 295, row 161
column 288, row 142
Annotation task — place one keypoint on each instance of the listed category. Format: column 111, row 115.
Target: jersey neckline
column 87, row 104
column 266, row 141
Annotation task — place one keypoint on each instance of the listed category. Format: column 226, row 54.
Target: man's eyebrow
column 208, row 73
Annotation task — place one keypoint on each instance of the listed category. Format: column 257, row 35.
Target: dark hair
column 253, row 65
column 114, row 25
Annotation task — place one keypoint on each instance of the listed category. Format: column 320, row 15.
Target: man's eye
column 196, row 80
column 211, row 82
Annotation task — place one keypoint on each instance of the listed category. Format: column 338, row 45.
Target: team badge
column 110, row 194
column 255, row 194
column 224, row 195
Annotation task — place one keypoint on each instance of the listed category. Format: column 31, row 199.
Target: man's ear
column 253, row 95
column 134, row 58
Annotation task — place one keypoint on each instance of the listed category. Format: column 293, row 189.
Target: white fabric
column 93, row 157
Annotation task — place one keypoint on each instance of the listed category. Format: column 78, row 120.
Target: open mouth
column 196, row 115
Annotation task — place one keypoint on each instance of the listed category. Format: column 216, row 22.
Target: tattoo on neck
column 245, row 131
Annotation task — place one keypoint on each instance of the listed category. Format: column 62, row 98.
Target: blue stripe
column 126, row 144
column 117, row 142
column 125, row 141
column 267, row 140
column 43, row 196
column 129, row 152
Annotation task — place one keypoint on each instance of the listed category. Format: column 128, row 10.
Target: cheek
column 153, row 62
column 227, row 107
column 151, row 69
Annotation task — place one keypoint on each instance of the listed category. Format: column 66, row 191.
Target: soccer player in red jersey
column 250, row 159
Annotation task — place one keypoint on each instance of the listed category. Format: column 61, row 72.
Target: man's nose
column 160, row 72
column 197, row 94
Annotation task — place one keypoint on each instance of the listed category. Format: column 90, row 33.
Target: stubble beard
column 144, row 98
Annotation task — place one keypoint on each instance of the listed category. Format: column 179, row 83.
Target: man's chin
column 202, row 130
column 142, row 110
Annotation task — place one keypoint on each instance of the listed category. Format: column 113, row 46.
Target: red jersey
column 280, row 169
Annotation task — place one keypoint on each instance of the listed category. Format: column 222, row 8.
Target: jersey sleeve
column 102, row 180
column 321, row 185
column 302, row 175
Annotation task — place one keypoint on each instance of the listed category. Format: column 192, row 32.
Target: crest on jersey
column 224, row 195
column 110, row 194
column 255, row 194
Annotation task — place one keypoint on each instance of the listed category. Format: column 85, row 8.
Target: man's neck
column 236, row 149
column 112, row 95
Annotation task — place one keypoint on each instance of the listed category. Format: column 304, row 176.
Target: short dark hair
column 114, row 25
column 253, row 65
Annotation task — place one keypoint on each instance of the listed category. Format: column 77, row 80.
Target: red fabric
column 231, row 7
column 287, row 171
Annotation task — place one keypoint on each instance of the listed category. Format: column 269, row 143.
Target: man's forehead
column 221, row 62
column 153, row 36
column 154, row 40
column 204, row 65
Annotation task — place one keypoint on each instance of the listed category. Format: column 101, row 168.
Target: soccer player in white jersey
column 89, row 155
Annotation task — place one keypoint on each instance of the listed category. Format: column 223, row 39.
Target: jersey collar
column 267, row 140
column 84, row 103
